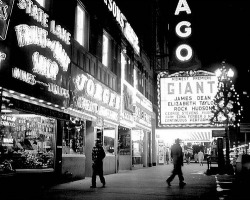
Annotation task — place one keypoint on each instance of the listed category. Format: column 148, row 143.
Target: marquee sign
column 186, row 98
column 39, row 54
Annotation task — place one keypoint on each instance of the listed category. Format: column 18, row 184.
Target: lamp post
column 225, row 104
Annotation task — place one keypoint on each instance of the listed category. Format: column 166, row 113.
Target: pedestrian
column 188, row 157
column 98, row 155
column 177, row 156
column 195, row 157
column 201, row 157
column 167, row 156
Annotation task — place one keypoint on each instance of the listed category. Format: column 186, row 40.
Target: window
column 74, row 137
column 41, row 2
column 105, row 51
column 81, row 26
column 109, row 140
column 27, row 141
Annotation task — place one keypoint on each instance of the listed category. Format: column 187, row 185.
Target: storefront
column 34, row 89
column 99, row 107
column 142, row 132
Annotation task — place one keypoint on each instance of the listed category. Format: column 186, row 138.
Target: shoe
column 168, row 182
column 103, row 185
column 181, row 184
column 92, row 186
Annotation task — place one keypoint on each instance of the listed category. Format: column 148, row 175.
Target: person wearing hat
column 177, row 157
column 98, row 155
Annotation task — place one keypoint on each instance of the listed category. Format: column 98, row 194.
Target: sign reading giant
column 186, row 99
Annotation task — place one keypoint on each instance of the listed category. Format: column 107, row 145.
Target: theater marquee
column 185, row 99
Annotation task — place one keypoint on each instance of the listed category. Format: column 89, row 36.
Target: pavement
column 140, row 184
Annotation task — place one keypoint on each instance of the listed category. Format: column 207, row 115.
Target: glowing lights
column 44, row 66
column 183, row 52
column 32, row 10
column 181, row 7
column 60, row 32
column 186, row 98
column 187, row 31
column 27, row 35
column 227, row 109
column 96, row 91
column 2, row 57
column 3, row 11
column 180, row 52
column 125, row 26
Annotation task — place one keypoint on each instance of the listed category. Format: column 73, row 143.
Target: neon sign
column 125, row 26
column 183, row 52
column 96, row 91
column 3, row 11
column 31, row 79
column 27, row 35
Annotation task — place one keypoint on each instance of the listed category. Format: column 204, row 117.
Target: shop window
column 137, row 146
column 124, row 143
column 74, row 137
column 27, row 141
column 82, row 26
column 109, row 140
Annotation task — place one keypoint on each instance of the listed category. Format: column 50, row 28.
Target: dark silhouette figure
column 177, row 156
column 98, row 155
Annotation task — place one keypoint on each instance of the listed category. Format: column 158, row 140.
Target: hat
column 98, row 140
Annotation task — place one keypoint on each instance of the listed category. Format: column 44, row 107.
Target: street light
column 224, row 109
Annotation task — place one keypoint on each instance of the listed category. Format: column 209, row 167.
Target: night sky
column 220, row 30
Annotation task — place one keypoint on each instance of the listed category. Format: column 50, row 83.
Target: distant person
column 167, row 157
column 196, row 157
column 188, row 157
column 177, row 156
column 201, row 157
column 98, row 155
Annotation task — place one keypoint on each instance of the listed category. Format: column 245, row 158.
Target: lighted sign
column 183, row 52
column 5, row 13
column 125, row 26
column 186, row 99
column 2, row 56
column 31, row 79
column 39, row 56
column 96, row 91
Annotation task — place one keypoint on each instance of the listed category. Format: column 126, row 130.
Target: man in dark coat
column 177, row 156
column 98, row 155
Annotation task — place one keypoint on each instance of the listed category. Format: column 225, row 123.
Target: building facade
column 72, row 72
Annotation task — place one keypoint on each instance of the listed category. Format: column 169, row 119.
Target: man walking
column 201, row 157
column 98, row 155
column 177, row 156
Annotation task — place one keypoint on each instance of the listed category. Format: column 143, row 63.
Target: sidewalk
column 140, row 184
column 146, row 183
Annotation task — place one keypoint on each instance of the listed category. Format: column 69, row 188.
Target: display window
column 124, row 144
column 27, row 141
column 74, row 136
column 137, row 146
column 109, row 141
